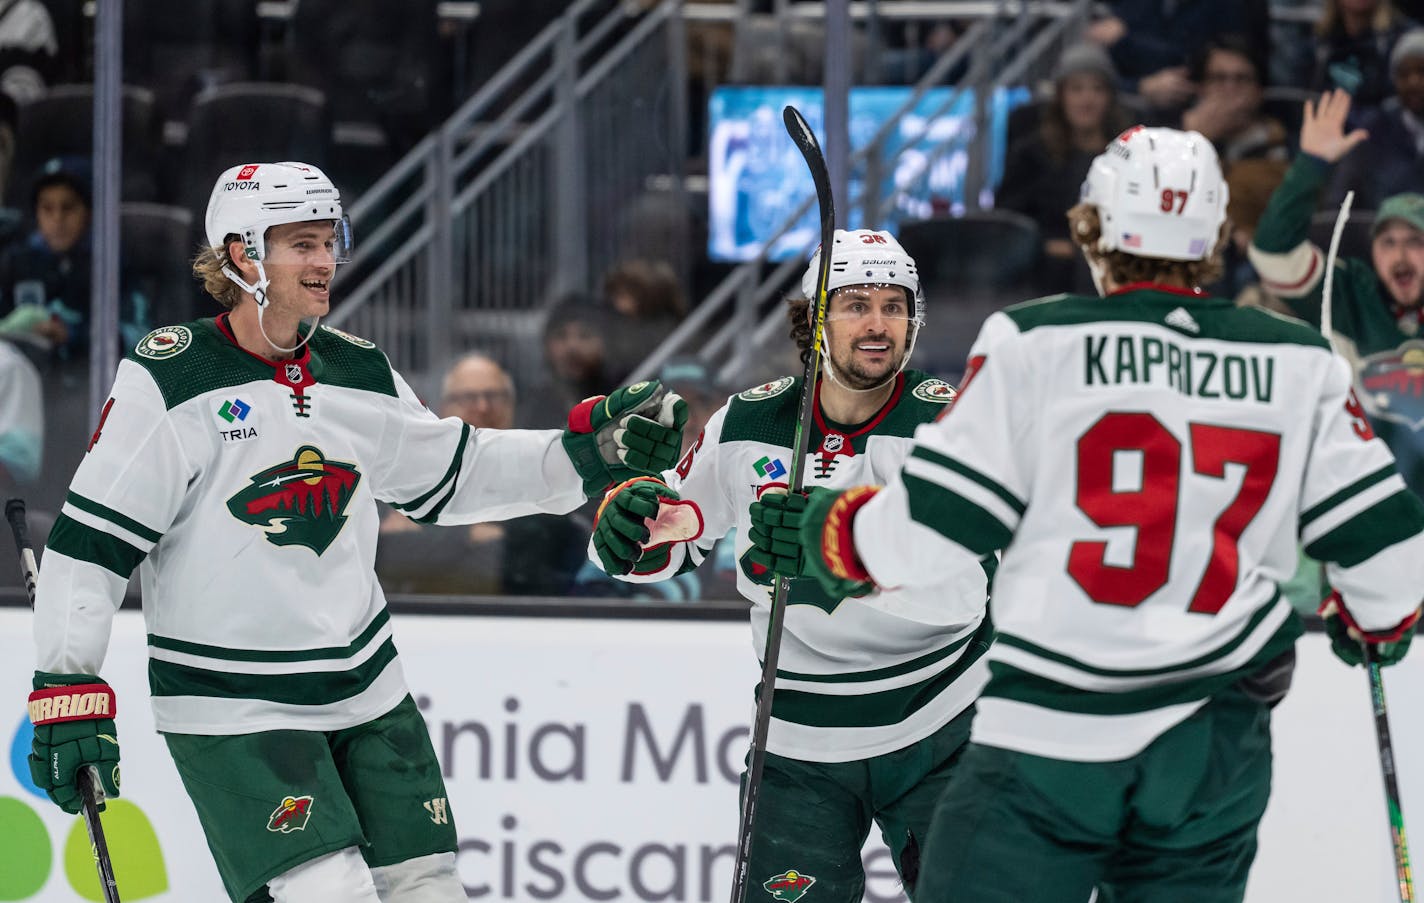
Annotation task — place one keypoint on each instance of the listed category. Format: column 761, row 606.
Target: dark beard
column 855, row 376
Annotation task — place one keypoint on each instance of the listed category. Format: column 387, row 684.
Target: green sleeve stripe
column 84, row 543
column 882, row 673
column 969, row 473
column 267, row 655
column 1354, row 489
column 1009, row 682
column 875, row 709
column 1373, row 530
column 306, row 688
column 955, row 517
column 1219, row 652
column 114, row 517
column 449, row 475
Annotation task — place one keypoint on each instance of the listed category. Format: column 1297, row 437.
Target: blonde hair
column 208, row 266
column 1125, row 269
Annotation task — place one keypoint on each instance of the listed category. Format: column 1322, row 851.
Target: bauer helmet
column 247, row 200
column 1159, row 193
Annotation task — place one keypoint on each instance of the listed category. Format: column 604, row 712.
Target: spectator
column 577, row 359
column 533, row 555
column 1353, row 42
column 1151, row 42
column 1044, row 169
column 1230, row 77
column 51, row 268
column 1375, row 304
column 647, row 303
column 1392, row 160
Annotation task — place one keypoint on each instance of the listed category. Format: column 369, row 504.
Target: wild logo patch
column 355, row 340
column 789, row 886
column 301, row 502
column 936, row 390
column 1393, row 384
column 165, row 342
column 767, row 390
column 290, row 815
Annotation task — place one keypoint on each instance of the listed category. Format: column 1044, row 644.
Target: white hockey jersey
column 857, row 677
column 1147, row 461
column 245, row 492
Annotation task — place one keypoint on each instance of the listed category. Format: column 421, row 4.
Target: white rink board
column 597, row 800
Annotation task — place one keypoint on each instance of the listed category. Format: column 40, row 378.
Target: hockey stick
column 1403, row 874
column 810, row 149
column 15, row 514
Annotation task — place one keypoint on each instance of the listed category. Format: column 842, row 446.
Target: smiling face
column 300, row 262
column 1398, row 255
column 866, row 330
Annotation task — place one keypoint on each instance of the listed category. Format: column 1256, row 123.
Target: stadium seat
column 1354, row 241
column 990, row 249
column 155, row 251
column 61, row 123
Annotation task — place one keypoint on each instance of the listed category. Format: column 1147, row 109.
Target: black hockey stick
column 1403, row 873
column 810, row 149
column 15, row 514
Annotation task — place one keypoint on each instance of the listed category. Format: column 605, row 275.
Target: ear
column 237, row 259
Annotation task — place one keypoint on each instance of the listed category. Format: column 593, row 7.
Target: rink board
column 595, row 759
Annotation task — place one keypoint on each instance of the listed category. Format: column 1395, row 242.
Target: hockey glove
column 1347, row 639
column 73, row 715
column 633, row 432
column 638, row 523
column 775, row 535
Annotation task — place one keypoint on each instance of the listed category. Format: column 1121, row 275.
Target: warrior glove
column 633, row 432
column 73, row 715
column 1347, row 639
column 808, row 536
column 637, row 524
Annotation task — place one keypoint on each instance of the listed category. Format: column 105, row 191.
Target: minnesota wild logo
column 789, row 886
column 300, row 502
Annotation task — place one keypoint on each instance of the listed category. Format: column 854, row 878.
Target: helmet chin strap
column 258, row 290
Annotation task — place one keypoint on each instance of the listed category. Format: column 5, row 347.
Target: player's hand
column 1347, row 641
column 635, row 431
column 775, row 535
column 73, row 715
column 1322, row 129
column 624, row 526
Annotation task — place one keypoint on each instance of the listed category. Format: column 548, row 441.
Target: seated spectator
column 647, row 302
column 533, row 555
column 1392, row 160
column 1375, row 305
column 49, row 270
column 1353, row 43
column 1151, row 42
column 1044, row 169
column 577, row 358
column 1228, row 106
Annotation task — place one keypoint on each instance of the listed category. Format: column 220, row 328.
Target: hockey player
column 1376, row 309
column 874, row 695
column 1146, row 461
column 237, row 465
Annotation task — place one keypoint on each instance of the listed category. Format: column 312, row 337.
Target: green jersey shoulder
column 768, row 413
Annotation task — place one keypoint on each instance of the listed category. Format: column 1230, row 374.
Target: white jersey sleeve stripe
column 965, row 514
column 105, row 525
column 1309, row 515
column 447, row 482
column 1349, row 509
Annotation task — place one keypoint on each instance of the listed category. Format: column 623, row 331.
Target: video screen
column 756, row 177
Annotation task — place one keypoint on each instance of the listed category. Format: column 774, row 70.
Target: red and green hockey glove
column 637, row 524
column 633, row 432
column 1347, row 639
column 73, row 715
column 826, row 534
column 775, row 536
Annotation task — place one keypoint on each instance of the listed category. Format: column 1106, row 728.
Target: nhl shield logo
column 1393, row 384
column 301, row 502
column 789, row 886
column 290, row 815
column 294, row 374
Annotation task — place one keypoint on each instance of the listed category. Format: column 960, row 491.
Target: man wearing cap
column 1392, row 161
column 1375, row 306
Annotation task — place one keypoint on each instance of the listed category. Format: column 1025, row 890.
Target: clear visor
column 298, row 242
column 864, row 302
column 343, row 240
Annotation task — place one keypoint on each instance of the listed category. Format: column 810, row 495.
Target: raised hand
column 1322, row 130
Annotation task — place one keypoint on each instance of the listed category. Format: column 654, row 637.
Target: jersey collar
column 302, row 360
column 872, row 423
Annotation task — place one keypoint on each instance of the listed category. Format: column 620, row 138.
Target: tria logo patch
column 771, row 468
column 301, row 502
column 790, row 885
column 235, row 419
column 236, row 409
column 291, row 815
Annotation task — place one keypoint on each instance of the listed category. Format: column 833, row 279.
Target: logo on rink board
column 291, row 815
column 789, row 886
column 166, row 341
column 767, row 390
column 936, row 390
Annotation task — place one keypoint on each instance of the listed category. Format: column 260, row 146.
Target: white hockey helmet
column 867, row 257
column 1159, row 193
column 249, row 199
